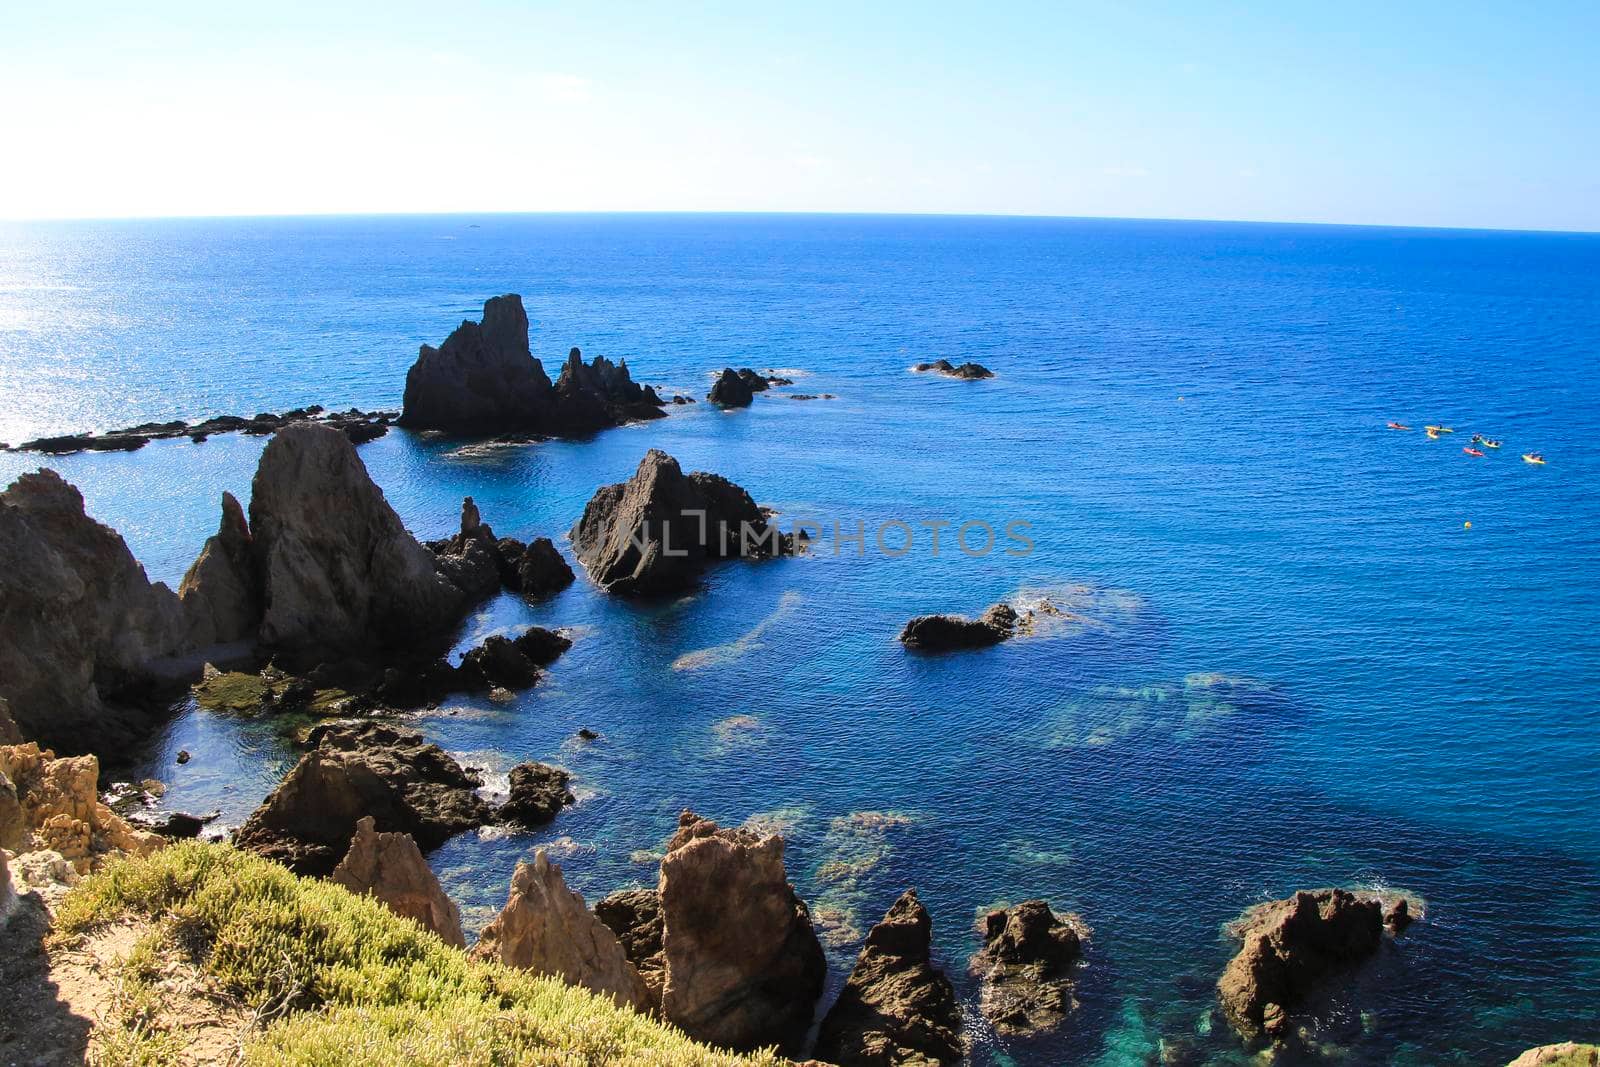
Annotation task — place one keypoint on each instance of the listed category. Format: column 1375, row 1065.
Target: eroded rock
column 743, row 966
column 545, row 928
column 222, row 590
column 390, row 867
column 944, row 633
column 656, row 532
column 538, row 793
column 1566, row 1054
column 634, row 915
column 53, row 804
column 896, row 1008
column 1026, row 965
column 353, row 770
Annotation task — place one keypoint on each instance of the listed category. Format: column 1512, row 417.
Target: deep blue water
column 1298, row 666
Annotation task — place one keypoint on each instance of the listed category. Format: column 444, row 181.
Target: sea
column 1296, row 648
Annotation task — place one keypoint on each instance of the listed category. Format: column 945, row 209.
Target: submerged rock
column 656, row 532
column 545, row 928
column 744, row 968
column 1026, row 964
column 943, row 633
column 538, row 793
column 81, row 626
column 353, row 770
column 484, row 380
column 967, row 371
column 896, row 1008
column 731, row 390
column 1290, row 946
column 390, row 867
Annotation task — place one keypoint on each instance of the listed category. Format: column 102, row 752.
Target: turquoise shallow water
column 1300, row 667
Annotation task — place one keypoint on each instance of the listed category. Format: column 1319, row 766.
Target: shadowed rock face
column 338, row 570
column 1289, row 947
column 356, row 770
column 545, row 928
column 655, row 533
column 390, row 867
column 222, row 591
column 743, row 966
column 1027, row 963
column 79, row 620
column 731, row 390
column 896, row 1007
column 484, row 380
column 634, row 915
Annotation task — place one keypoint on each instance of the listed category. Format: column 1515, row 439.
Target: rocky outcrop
column 359, row 426
column 545, row 928
column 896, row 1008
column 484, row 380
column 1566, row 1054
column 481, row 564
column 53, row 804
column 535, row 569
column 222, row 590
column 1290, row 946
column 634, row 915
column 538, row 793
column 390, row 867
column 81, row 626
column 655, row 533
column 354, row 770
column 338, row 570
column 510, row 663
column 968, row 371
column 744, row 967
column 1026, row 966
column 944, row 633
column 731, row 390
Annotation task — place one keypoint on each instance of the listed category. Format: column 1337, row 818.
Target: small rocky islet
column 338, row 612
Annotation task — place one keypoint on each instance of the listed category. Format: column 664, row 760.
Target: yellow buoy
column 1467, row 524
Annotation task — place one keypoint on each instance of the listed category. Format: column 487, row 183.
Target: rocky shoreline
column 359, row 426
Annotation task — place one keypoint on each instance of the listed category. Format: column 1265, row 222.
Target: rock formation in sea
column 1289, row 947
column 943, row 633
column 634, row 915
column 222, row 589
column 731, row 390
column 897, row 1007
column 535, row 569
column 1026, row 966
column 484, row 380
column 359, row 426
column 81, row 626
column 538, row 793
column 655, row 533
column 354, row 770
column 390, row 867
column 51, row 804
column 481, row 564
column 967, row 371
column 743, row 965
column 545, row 928
column 1566, row 1054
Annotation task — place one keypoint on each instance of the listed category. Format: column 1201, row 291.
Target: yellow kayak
column 1439, row 429
column 1433, row 434
column 1533, row 457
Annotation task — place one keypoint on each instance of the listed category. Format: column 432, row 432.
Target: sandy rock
column 545, row 928
column 339, row 572
column 1026, row 965
column 743, row 966
column 79, row 620
column 896, row 1008
column 391, row 868
column 354, row 770
column 50, row 803
column 1566, row 1054
column 1289, row 947
column 656, row 532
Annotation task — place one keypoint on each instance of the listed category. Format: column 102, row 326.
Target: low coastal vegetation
column 338, row 978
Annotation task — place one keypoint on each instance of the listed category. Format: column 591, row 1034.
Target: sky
column 1404, row 112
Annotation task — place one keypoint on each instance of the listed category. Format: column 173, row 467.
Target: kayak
column 1472, row 452
column 1398, row 426
column 1433, row 435
column 1533, row 457
column 1440, row 429
column 1490, row 444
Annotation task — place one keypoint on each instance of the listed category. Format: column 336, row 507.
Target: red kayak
column 1472, row 451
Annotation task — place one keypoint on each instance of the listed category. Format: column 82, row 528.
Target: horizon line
column 22, row 220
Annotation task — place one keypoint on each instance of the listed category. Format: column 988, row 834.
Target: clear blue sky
column 1446, row 114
